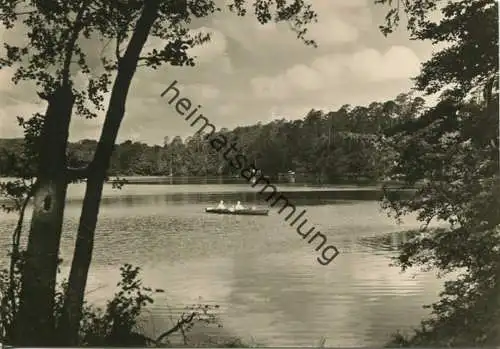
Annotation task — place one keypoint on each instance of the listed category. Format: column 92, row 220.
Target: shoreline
column 138, row 179
column 235, row 180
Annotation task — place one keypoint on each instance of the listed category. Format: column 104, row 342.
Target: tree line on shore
column 326, row 146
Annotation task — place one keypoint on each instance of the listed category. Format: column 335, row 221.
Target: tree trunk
column 35, row 320
column 496, row 308
column 73, row 303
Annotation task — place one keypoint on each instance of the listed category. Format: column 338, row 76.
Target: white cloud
column 339, row 22
column 209, row 92
column 202, row 91
column 271, row 87
column 224, row 65
column 301, row 76
column 399, row 62
column 330, row 66
column 330, row 4
column 332, row 31
column 6, row 74
column 226, row 109
column 367, row 65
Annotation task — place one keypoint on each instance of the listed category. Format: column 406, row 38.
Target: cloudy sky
column 250, row 73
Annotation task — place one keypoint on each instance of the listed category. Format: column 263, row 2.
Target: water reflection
column 388, row 242
column 299, row 198
column 263, row 275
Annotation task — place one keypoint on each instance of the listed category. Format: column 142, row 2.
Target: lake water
column 266, row 279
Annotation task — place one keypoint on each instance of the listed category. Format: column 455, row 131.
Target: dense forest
column 326, row 146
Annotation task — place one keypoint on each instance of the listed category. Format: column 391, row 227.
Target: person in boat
column 239, row 206
column 221, row 205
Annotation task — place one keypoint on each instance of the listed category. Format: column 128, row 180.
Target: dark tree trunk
column 82, row 257
column 35, row 320
column 496, row 307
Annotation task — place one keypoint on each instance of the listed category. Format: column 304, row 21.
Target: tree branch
column 16, row 242
column 104, row 47
column 178, row 327
column 70, row 46
column 43, row 96
column 117, row 47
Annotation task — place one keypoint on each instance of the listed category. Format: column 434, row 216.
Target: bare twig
column 104, row 47
column 16, row 241
column 178, row 327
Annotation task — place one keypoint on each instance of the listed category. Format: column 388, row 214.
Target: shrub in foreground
column 118, row 323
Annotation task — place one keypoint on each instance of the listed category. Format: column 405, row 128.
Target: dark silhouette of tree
column 452, row 150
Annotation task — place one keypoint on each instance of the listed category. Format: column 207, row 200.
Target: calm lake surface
column 266, row 279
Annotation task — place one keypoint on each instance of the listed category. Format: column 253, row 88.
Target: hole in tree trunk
column 47, row 203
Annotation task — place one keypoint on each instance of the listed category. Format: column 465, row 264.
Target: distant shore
column 151, row 180
column 236, row 180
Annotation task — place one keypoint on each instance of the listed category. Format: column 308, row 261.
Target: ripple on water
column 265, row 278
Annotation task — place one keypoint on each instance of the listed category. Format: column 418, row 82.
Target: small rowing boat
column 242, row 211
